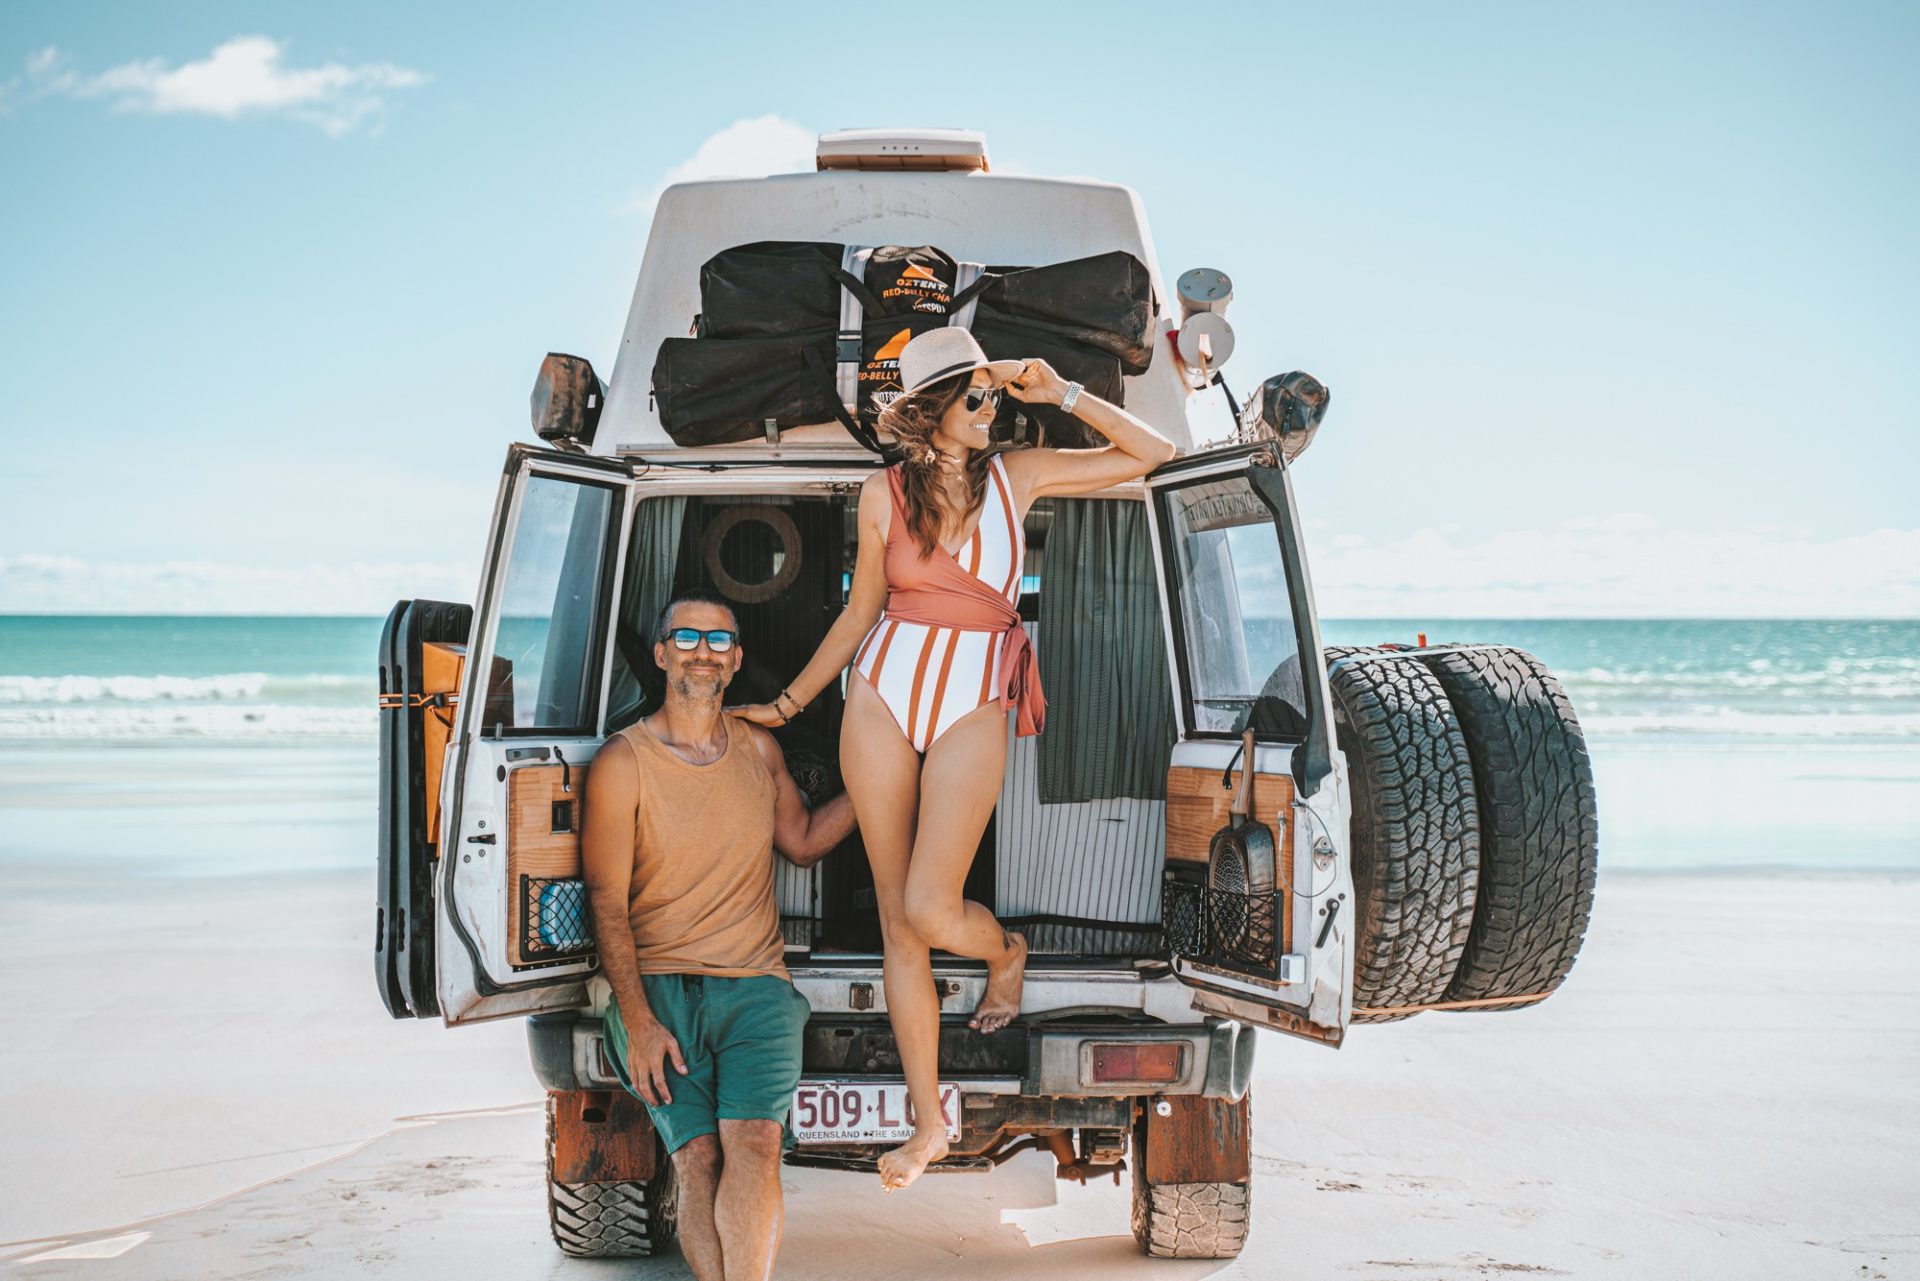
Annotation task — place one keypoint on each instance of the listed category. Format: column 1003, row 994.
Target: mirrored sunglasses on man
column 687, row 638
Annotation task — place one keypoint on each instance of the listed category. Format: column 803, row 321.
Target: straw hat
column 942, row 353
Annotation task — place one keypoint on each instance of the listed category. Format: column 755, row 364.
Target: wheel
column 612, row 1220
column 1190, row 1220
column 1416, row 838
column 1202, row 1220
column 1539, row 832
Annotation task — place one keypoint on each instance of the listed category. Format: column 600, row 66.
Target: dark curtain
column 1103, row 657
column 651, row 556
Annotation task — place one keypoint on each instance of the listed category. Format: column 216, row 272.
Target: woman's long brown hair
column 912, row 421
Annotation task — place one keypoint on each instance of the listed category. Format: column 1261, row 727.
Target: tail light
column 1148, row 1063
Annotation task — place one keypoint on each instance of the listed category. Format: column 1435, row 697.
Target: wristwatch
column 1072, row 398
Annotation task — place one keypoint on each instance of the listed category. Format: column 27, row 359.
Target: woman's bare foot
column 910, row 1160
column 1005, row 978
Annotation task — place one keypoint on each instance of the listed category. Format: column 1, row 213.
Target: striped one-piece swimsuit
column 931, row 676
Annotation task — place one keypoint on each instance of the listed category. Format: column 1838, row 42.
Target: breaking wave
column 243, row 705
column 16, row 690
column 187, row 721
column 1735, row 723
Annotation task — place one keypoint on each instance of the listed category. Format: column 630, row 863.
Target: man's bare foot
column 1005, row 978
column 910, row 1160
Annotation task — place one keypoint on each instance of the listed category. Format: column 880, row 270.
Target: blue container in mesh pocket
column 560, row 924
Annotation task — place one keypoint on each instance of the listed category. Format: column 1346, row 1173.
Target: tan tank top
column 701, row 900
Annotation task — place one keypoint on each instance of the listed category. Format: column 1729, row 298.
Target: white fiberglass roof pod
column 976, row 216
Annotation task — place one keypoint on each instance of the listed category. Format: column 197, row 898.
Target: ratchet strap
column 854, row 301
column 968, row 285
column 445, row 699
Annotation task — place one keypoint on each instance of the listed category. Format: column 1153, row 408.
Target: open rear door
column 421, row 648
column 512, row 930
column 1260, row 935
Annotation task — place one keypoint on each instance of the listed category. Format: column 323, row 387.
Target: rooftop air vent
column 959, row 150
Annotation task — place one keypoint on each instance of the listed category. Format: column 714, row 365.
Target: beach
column 199, row 1079
column 203, row 1085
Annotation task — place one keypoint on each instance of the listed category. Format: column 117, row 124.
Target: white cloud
column 744, row 149
column 248, row 75
column 39, row 584
column 1628, row 565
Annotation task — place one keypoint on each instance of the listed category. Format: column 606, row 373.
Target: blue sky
column 1619, row 305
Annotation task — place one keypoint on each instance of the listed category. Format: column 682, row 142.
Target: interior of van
column 1074, row 854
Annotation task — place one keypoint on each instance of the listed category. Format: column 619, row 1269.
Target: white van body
column 567, row 561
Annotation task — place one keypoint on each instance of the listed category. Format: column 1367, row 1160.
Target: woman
column 932, row 625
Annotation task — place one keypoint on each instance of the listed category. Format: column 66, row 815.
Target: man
column 684, row 811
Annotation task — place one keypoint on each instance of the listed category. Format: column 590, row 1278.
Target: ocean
column 1717, row 743
column 160, row 678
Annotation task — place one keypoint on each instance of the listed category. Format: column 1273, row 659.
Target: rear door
column 513, row 934
column 1243, row 643
column 420, row 649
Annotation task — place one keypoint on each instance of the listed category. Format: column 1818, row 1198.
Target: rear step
column 856, row 988
column 871, row 1165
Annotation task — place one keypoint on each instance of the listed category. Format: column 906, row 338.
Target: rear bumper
column 1034, row 1060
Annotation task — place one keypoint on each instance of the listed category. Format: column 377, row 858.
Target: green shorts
column 741, row 1042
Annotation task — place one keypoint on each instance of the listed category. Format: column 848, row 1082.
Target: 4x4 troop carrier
column 1223, row 828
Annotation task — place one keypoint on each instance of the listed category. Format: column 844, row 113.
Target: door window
column 552, row 605
column 1240, row 650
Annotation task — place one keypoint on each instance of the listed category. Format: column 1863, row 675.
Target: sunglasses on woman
column 978, row 396
column 687, row 638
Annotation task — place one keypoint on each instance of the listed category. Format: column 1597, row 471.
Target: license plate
column 863, row 1112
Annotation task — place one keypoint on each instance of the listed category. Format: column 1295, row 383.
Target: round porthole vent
column 752, row 553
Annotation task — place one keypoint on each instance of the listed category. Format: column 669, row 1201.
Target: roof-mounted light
column 952, row 150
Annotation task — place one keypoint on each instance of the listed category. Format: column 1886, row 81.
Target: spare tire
column 1538, row 828
column 1416, row 842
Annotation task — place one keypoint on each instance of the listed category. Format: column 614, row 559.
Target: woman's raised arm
column 865, row 601
column 1051, row 473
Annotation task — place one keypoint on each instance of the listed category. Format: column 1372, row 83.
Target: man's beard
column 700, row 686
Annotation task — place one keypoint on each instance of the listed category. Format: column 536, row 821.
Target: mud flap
column 1200, row 1140
column 601, row 1136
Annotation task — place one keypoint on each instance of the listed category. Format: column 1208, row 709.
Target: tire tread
column 1416, row 838
column 622, row 1220
column 1538, row 822
column 1190, row 1220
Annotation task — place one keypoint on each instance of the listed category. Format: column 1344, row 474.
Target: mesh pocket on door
column 555, row 923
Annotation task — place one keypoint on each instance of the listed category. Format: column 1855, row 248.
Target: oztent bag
column 772, row 289
column 716, row 391
column 1105, row 302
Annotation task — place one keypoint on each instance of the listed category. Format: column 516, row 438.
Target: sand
column 198, row 1081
